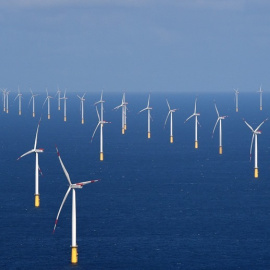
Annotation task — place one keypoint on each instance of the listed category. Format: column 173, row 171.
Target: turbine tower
column 58, row 93
column 49, row 106
column 254, row 138
column 148, row 116
column 4, row 99
column 36, row 151
column 123, row 105
column 195, row 114
column 219, row 119
column 170, row 113
column 236, row 99
column 7, row 93
column 82, row 99
column 101, row 122
column 33, row 98
column 65, row 106
column 74, row 246
column 20, row 100
column 260, row 91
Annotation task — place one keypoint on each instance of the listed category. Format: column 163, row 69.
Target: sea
column 157, row 205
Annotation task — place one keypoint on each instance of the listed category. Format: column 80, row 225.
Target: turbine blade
column 95, row 131
column 66, row 195
column 87, row 182
column 148, row 101
column 63, row 166
column 261, row 124
column 249, row 126
column 142, row 110
column 189, row 117
column 250, row 151
column 27, row 153
column 98, row 115
column 45, row 101
column 168, row 104
column 215, row 127
column 35, row 145
column 216, row 110
column 166, row 119
column 195, row 107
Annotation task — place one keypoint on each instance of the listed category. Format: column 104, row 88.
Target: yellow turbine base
column 236, row 109
column 260, row 108
column 49, row 116
column 125, row 127
column 220, row 150
column 101, row 156
column 256, row 172
column 37, row 200
column 82, row 121
column 65, row 119
column 20, row 112
column 7, row 110
column 123, row 130
column 171, row 139
column 33, row 114
column 58, row 108
column 149, row 135
column 74, row 255
column 196, row 144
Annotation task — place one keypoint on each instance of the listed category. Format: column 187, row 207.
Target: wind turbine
column 82, row 99
column 7, row 93
column 149, row 116
column 124, row 111
column 101, row 122
column 219, row 119
column 36, row 151
column 196, row 124
column 58, row 93
column 74, row 246
column 33, row 98
column 254, row 136
column 49, row 107
column 170, row 113
column 260, row 91
column 4, row 99
column 236, row 99
column 65, row 106
column 20, row 100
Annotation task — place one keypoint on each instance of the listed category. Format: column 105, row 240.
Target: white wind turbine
column 49, row 104
column 4, row 99
column 20, row 100
column 7, row 93
column 254, row 138
column 196, row 124
column 148, row 117
column 82, row 99
column 236, row 99
column 36, row 151
column 170, row 113
column 219, row 119
column 260, row 91
column 124, row 113
column 101, row 122
column 74, row 246
column 65, row 106
column 58, row 93
column 33, row 98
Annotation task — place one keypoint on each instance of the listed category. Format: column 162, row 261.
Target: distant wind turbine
column 236, row 99
column 82, row 99
column 196, row 124
column 49, row 107
column 33, row 98
column 101, row 122
column 123, row 105
column 260, row 92
column 36, row 151
column 65, row 106
column 254, row 138
column 219, row 119
column 58, row 93
column 20, row 100
column 4, row 91
column 7, row 93
column 74, row 246
column 170, row 113
column 148, row 108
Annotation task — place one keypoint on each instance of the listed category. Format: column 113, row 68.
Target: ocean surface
column 158, row 205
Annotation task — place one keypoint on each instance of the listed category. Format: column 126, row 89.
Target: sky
column 135, row 45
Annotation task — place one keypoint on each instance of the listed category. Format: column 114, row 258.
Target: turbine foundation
column 260, row 108
column 33, row 114
column 256, row 172
column 196, row 144
column 7, row 110
column 20, row 112
column 101, row 156
column 37, row 200
column 58, row 108
column 65, row 119
column 82, row 121
column 149, row 135
column 236, row 109
column 220, row 150
column 125, row 126
column 123, row 131
column 171, row 139
column 49, row 116
column 74, row 255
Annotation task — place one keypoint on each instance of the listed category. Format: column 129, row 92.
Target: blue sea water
column 158, row 205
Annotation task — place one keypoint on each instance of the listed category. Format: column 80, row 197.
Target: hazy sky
column 135, row 45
